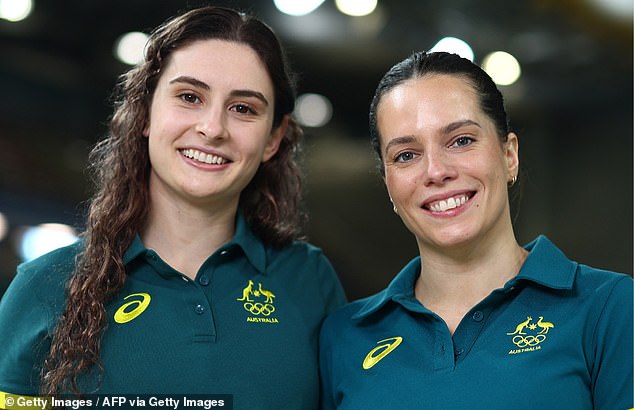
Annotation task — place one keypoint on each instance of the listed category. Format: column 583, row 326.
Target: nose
column 211, row 125
column 438, row 167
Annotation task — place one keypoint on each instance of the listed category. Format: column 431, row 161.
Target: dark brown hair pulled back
column 120, row 163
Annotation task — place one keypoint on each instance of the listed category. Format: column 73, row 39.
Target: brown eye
column 243, row 109
column 190, row 98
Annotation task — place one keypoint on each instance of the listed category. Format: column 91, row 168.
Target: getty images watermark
column 118, row 401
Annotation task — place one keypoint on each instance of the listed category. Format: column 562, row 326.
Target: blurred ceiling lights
column 15, row 10
column 34, row 241
column 356, row 8
column 503, row 68
column 297, row 8
column 129, row 48
column 620, row 9
column 313, row 110
column 455, row 46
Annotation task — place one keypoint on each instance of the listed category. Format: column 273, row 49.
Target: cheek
column 399, row 187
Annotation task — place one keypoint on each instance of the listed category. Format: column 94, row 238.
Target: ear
column 146, row 128
column 275, row 139
column 511, row 153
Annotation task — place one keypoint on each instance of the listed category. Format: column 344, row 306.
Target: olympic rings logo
column 258, row 308
column 521, row 341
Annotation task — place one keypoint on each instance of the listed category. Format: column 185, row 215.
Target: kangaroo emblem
column 247, row 291
column 544, row 325
column 269, row 295
column 519, row 329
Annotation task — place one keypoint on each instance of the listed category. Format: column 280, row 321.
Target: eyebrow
column 449, row 128
column 234, row 93
column 398, row 141
column 191, row 81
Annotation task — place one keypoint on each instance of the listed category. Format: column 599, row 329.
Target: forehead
column 430, row 101
column 220, row 63
column 432, row 91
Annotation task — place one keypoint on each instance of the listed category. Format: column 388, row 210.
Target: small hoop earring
column 512, row 181
column 393, row 206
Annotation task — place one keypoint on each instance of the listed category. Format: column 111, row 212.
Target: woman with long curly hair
column 191, row 276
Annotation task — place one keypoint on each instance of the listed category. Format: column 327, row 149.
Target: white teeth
column 203, row 157
column 450, row 203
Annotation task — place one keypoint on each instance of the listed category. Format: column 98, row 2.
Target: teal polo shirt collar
column 400, row 290
column 243, row 238
column 545, row 265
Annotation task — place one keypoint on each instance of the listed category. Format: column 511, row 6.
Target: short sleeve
column 330, row 286
column 23, row 340
column 327, row 401
column 613, row 366
column 28, row 312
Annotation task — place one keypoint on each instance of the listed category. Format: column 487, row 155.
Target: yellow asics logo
column 121, row 316
column 370, row 360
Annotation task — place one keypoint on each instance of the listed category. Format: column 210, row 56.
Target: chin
column 448, row 240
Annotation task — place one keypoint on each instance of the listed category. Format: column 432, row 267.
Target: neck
column 185, row 235
column 452, row 283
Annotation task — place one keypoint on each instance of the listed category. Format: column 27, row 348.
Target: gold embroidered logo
column 259, row 303
column 123, row 316
column 370, row 360
column 527, row 337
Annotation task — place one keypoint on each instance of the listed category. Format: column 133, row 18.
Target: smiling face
column 446, row 169
column 210, row 124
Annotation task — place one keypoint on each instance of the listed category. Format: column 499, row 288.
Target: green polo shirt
column 247, row 325
column 557, row 336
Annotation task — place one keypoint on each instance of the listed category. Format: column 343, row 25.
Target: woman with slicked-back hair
column 474, row 321
column 191, row 276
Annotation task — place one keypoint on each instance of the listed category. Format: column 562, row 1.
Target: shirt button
column 224, row 252
column 478, row 316
column 458, row 351
column 200, row 309
column 203, row 280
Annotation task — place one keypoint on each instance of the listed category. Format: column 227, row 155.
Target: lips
column 448, row 203
column 203, row 157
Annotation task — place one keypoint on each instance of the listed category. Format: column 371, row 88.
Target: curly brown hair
column 271, row 203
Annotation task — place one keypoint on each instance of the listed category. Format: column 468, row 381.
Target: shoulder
column 306, row 271
column 299, row 249
column 45, row 275
column 61, row 259
column 347, row 317
column 599, row 281
column 300, row 256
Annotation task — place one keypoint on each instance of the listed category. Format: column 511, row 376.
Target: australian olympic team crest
column 529, row 335
column 259, row 302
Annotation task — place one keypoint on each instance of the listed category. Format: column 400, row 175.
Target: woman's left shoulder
column 298, row 252
column 602, row 276
column 591, row 282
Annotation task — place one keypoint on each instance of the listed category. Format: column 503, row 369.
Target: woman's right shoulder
column 345, row 317
column 48, row 273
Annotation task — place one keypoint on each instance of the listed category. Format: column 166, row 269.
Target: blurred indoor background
column 569, row 95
